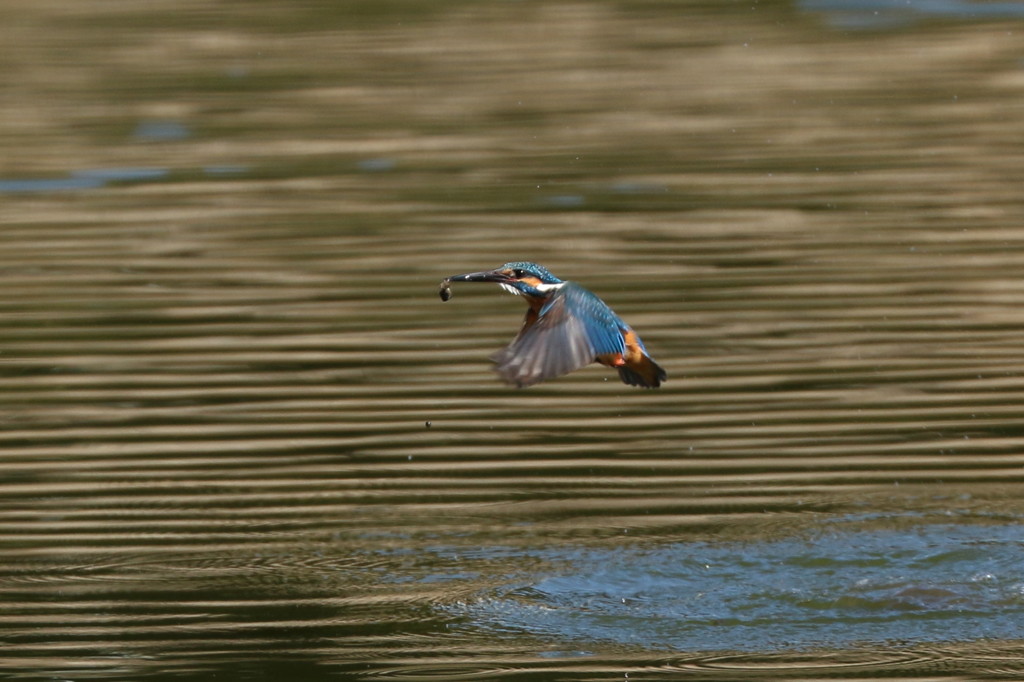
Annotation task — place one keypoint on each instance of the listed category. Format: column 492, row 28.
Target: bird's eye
column 519, row 274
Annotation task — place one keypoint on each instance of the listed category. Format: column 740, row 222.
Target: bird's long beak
column 488, row 276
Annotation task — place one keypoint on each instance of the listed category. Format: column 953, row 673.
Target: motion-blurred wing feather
column 570, row 331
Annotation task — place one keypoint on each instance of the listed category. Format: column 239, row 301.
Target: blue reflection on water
column 565, row 201
column 378, row 165
column 867, row 14
column 100, row 177
column 933, row 583
column 225, row 170
column 122, row 174
column 28, row 185
column 84, row 179
column 161, row 131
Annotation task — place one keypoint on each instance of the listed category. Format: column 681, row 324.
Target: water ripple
column 243, row 438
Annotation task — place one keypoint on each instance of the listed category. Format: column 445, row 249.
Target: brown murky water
column 243, row 438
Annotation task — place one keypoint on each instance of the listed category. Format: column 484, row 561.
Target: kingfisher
column 566, row 328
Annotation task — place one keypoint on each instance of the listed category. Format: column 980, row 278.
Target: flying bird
column 566, row 328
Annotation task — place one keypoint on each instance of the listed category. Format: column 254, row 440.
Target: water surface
column 242, row 436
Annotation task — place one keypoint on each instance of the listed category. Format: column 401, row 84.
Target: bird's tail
column 644, row 372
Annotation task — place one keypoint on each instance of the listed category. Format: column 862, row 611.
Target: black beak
column 488, row 276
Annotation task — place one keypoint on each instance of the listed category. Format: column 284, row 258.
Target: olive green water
column 242, row 438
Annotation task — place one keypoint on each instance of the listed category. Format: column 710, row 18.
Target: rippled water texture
column 834, row 589
column 243, row 438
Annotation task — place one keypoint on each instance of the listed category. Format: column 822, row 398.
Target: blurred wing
column 569, row 332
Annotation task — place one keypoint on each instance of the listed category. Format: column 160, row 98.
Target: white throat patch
column 544, row 288
column 549, row 287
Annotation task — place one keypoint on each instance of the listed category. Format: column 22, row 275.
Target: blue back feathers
column 600, row 323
